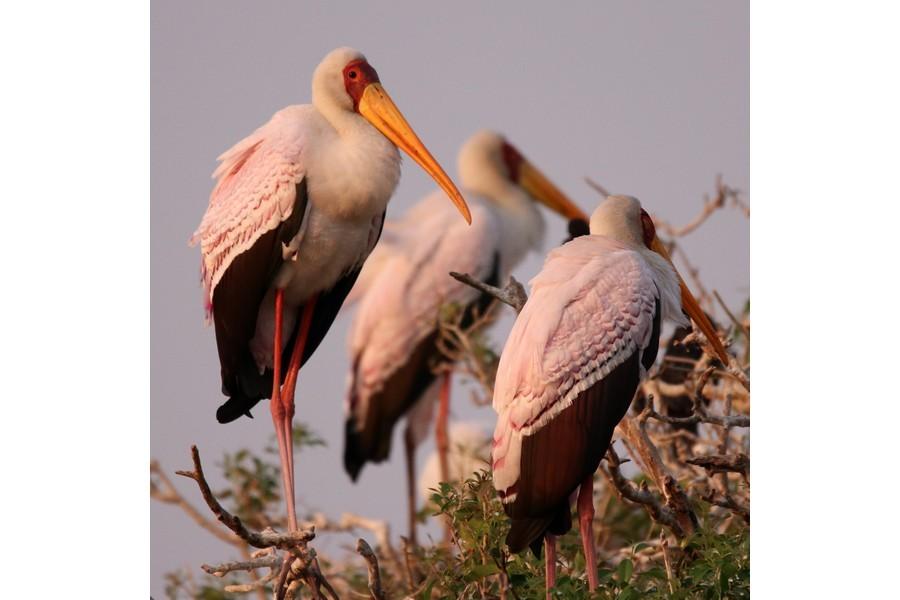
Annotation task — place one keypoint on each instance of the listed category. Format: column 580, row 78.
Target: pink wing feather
column 590, row 308
column 254, row 192
column 401, row 302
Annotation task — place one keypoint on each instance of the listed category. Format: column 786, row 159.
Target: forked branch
column 258, row 539
column 626, row 489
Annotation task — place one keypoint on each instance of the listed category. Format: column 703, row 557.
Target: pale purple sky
column 650, row 99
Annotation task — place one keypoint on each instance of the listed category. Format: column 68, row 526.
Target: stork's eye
column 352, row 74
column 649, row 229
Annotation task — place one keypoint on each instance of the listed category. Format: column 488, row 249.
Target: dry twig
column 597, row 187
column 724, row 194
column 374, row 574
column 513, row 293
column 270, row 562
column 167, row 492
column 626, row 489
column 264, row 539
column 303, row 566
column 700, row 416
column 724, row 463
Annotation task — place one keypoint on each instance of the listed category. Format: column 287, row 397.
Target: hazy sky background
column 650, row 99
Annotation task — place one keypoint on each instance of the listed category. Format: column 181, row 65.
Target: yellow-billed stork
column 393, row 339
column 297, row 207
column 570, row 367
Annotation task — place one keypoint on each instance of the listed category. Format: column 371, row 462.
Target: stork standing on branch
column 573, row 360
column 297, row 208
column 393, row 340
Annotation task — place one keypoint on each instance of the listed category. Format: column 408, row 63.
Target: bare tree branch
column 270, row 561
column 597, row 187
column 374, row 574
column 253, row 586
column 512, row 294
column 723, row 463
column 170, row 495
column 466, row 351
column 625, row 489
column 727, row 501
column 699, row 416
column 264, row 539
column 350, row 522
column 724, row 194
column 734, row 320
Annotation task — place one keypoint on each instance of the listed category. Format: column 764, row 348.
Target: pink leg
column 442, row 440
column 278, row 414
column 440, row 430
column 410, row 447
column 550, row 562
column 586, row 521
column 287, row 400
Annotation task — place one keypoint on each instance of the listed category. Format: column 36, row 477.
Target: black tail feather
column 371, row 444
column 234, row 408
column 530, row 532
column 354, row 457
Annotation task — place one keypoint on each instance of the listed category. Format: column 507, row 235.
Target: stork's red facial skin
column 648, row 228
column 513, row 160
column 358, row 74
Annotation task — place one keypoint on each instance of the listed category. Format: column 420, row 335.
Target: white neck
column 522, row 226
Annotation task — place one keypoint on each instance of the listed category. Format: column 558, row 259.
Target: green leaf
column 481, row 571
column 624, row 571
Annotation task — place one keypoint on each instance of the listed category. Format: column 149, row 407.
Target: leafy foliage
column 709, row 565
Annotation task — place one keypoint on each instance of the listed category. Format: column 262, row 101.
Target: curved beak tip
column 377, row 107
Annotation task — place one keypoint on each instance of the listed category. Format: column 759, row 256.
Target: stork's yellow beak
column 692, row 307
column 378, row 109
column 542, row 189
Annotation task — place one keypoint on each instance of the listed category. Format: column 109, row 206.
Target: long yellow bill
column 378, row 109
column 692, row 307
column 537, row 185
